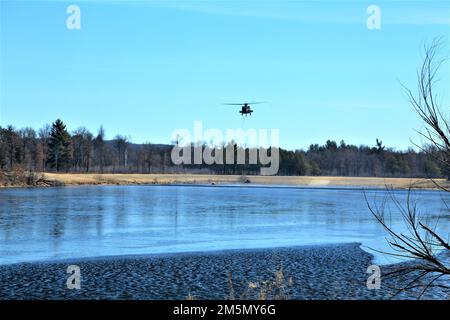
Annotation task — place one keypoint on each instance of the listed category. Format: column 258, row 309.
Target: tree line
column 53, row 148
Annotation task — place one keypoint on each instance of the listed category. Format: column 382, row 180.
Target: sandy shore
column 309, row 272
column 306, row 181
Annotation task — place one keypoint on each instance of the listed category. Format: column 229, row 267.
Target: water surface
column 88, row 221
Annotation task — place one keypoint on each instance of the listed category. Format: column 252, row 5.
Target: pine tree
column 100, row 148
column 59, row 146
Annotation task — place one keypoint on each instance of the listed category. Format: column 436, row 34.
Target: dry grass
column 124, row 179
column 190, row 297
column 271, row 289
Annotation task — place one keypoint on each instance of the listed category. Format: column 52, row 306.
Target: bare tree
column 425, row 103
column 421, row 241
column 121, row 145
column 42, row 147
column 82, row 141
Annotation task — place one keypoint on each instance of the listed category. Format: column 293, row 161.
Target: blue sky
column 146, row 68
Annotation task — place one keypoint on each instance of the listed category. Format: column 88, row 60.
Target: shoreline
column 336, row 271
column 180, row 254
column 107, row 179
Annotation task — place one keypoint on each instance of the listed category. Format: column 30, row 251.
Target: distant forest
column 53, row 148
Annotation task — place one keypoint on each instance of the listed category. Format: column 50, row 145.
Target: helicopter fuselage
column 246, row 110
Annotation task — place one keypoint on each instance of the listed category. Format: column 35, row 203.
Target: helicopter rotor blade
column 256, row 102
column 244, row 103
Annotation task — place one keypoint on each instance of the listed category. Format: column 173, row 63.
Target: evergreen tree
column 100, row 148
column 11, row 147
column 59, row 146
column 431, row 168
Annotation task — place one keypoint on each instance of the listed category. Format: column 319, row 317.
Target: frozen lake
column 88, row 221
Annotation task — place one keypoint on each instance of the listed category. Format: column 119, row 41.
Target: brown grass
column 125, row 179
column 271, row 289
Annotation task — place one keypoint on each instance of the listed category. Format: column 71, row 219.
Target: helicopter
column 245, row 107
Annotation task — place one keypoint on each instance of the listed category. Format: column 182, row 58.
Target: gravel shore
column 309, row 272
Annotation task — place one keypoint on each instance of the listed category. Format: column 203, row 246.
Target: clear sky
column 146, row 68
